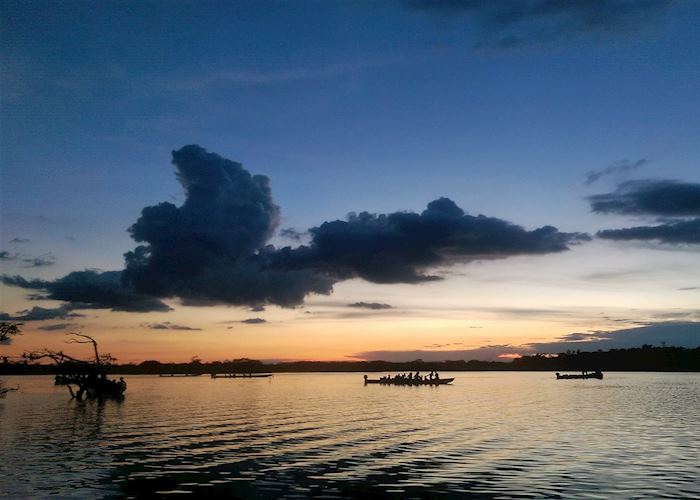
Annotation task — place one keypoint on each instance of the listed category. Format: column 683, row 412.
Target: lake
column 488, row 435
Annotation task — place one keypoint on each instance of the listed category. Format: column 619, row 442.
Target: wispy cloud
column 672, row 333
column 254, row 321
column 245, row 77
column 507, row 24
column 56, row 327
column 615, row 168
column 38, row 313
column 370, row 305
column 167, row 325
column 485, row 353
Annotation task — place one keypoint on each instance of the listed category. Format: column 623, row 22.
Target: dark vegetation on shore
column 645, row 358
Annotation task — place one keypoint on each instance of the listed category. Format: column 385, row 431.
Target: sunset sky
column 368, row 138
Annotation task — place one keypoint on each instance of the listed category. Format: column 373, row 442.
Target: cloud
column 675, row 232
column 402, row 247
column 485, row 353
column 91, row 290
column 292, row 234
column 615, row 168
column 48, row 260
column 212, row 248
column 662, row 198
column 267, row 78
column 256, row 308
column 672, row 333
column 56, row 327
column 675, row 203
column 254, row 321
column 19, row 240
column 43, row 261
column 37, row 313
column 370, row 305
column 167, row 325
column 507, row 24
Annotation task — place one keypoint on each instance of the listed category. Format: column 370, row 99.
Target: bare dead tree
column 88, row 376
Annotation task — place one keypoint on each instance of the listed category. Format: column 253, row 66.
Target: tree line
column 644, row 358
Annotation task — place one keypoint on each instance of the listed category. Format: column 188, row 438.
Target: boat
column 585, row 375
column 241, row 375
column 179, row 374
column 435, row 381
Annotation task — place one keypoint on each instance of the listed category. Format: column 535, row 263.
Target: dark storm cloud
column 56, row 327
column 674, row 232
column 370, row 305
column 402, row 246
column 615, row 168
column 212, row 248
column 662, row 198
column 91, row 290
column 511, row 23
column 672, row 333
column 167, row 325
column 37, row 313
column 254, row 321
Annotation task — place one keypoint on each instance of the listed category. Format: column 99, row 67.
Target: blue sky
column 345, row 106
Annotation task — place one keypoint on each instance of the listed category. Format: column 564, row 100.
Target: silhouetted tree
column 8, row 330
column 90, row 377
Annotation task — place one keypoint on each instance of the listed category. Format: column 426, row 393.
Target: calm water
column 489, row 435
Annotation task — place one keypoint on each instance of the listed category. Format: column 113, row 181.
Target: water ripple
column 490, row 435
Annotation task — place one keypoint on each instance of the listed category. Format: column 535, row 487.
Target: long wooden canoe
column 568, row 376
column 241, row 375
column 440, row 381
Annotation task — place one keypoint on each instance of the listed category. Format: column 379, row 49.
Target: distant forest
column 645, row 358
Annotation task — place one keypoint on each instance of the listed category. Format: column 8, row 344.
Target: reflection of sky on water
column 490, row 434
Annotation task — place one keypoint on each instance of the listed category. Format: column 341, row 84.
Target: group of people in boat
column 417, row 377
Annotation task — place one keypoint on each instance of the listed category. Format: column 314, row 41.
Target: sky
column 350, row 180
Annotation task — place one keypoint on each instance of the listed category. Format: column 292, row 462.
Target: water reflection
column 505, row 435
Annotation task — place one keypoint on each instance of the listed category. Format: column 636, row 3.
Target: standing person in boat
column 437, row 376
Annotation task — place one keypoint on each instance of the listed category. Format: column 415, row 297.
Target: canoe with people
column 583, row 375
column 433, row 378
